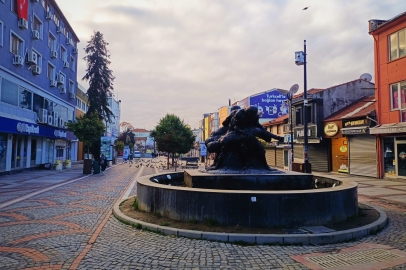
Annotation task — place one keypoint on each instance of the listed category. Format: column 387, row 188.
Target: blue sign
column 203, row 149
column 270, row 104
column 20, row 127
column 286, row 139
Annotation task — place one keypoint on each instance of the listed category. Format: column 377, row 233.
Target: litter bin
column 87, row 166
column 96, row 167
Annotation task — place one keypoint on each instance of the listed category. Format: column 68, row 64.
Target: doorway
column 339, row 153
column 401, row 158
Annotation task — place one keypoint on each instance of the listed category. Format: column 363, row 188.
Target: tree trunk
column 173, row 159
column 167, row 165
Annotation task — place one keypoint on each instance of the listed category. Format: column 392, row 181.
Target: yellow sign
column 331, row 129
column 206, row 128
column 343, row 149
column 223, row 113
column 355, row 123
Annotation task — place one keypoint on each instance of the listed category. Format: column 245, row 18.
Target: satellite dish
column 293, row 90
column 366, row 77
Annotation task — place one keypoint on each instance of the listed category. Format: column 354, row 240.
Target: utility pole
column 306, row 138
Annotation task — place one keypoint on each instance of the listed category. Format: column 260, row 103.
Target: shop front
column 27, row 145
column 392, row 150
column 338, row 146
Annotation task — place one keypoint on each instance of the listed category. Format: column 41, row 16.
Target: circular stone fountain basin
column 275, row 200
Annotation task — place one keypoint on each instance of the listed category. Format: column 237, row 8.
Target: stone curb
column 261, row 239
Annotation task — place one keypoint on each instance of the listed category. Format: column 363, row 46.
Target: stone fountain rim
column 305, row 239
column 345, row 184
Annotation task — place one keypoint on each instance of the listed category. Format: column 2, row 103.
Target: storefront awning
column 388, row 128
column 355, row 130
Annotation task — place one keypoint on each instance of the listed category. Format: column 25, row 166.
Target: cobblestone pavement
column 71, row 227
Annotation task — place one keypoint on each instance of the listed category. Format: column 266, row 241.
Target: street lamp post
column 301, row 60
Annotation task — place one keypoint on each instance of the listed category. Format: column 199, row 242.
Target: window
column 78, row 103
column 397, row 45
column 398, row 99
column 64, row 54
column 14, row 6
column 52, row 42
column 72, row 63
column 38, row 103
column 25, row 99
column 16, row 44
column 9, row 92
column 56, row 19
column 309, row 114
column 49, row 105
column 298, row 116
column 1, row 33
column 37, row 25
column 51, row 71
column 43, row 3
column 71, row 87
column 83, row 106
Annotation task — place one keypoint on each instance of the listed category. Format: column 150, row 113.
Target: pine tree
column 99, row 75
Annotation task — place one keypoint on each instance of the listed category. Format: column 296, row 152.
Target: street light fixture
column 300, row 59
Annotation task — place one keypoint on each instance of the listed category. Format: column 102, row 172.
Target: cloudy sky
column 188, row 57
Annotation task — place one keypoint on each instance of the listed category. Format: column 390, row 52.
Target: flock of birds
column 151, row 163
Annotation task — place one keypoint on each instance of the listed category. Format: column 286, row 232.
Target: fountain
column 240, row 188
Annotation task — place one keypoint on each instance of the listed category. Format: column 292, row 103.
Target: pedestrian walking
column 103, row 163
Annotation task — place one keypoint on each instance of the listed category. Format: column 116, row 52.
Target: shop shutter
column 279, row 157
column 362, row 155
column 270, row 156
column 318, row 156
column 298, row 151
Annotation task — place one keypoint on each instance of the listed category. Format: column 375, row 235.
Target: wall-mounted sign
column 351, row 131
column 60, row 133
column 203, row 149
column 26, row 128
column 343, row 149
column 311, row 132
column 270, row 104
column 356, row 123
column 331, row 129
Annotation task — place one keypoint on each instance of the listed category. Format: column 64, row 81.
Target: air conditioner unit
column 35, row 34
column 60, row 79
column 61, row 123
column 75, row 50
column 72, row 95
column 54, row 54
column 63, row 89
column 18, row 60
column 22, row 23
column 32, row 58
column 53, row 83
column 59, row 29
column 36, row 70
column 49, row 15
column 68, row 41
column 43, row 116
column 65, row 64
column 50, row 120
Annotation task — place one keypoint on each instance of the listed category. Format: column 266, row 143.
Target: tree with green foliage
column 100, row 79
column 99, row 76
column 119, row 146
column 127, row 137
column 88, row 129
column 171, row 135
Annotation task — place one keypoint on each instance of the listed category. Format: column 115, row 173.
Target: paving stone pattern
column 71, row 227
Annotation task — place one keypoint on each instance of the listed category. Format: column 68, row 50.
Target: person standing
column 103, row 163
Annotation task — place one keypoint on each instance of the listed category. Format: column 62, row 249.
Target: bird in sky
column 306, row 8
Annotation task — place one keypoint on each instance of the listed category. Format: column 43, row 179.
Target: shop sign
column 387, row 130
column 286, row 139
column 311, row 132
column 331, row 129
column 26, row 128
column 60, row 133
column 355, row 123
column 363, row 130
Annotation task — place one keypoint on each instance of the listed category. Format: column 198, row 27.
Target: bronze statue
column 236, row 145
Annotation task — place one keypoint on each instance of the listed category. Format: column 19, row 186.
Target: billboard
column 223, row 113
column 244, row 103
column 270, row 104
column 106, row 147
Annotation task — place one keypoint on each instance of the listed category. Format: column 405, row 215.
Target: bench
column 191, row 161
